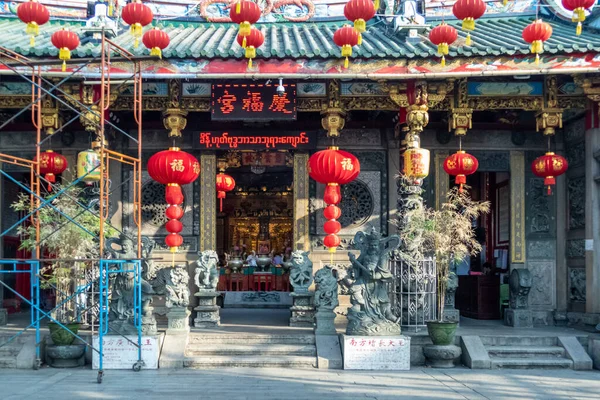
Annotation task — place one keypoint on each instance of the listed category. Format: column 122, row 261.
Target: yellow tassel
column 111, row 9
column 136, row 43
column 173, row 250
column 250, row 63
column 468, row 41
column 468, row 24
column 578, row 29
column 376, row 5
column 360, row 25
column 156, row 52
column 32, row 29
column 238, row 7
column 31, row 41
column 332, row 250
column 346, row 63
column 580, row 14
column 504, row 2
column 359, row 39
column 245, row 28
column 443, row 61
column 64, row 66
column 244, row 42
column 537, row 59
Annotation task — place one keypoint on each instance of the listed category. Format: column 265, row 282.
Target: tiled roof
column 493, row 36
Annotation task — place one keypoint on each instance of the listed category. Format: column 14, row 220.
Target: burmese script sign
column 119, row 353
column 253, row 101
column 259, row 141
column 376, row 352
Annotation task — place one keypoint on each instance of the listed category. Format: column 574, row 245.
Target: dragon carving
column 267, row 6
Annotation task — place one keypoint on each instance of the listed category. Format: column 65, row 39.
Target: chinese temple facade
column 260, row 124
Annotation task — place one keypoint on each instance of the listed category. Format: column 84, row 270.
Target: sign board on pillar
column 376, row 352
column 120, row 353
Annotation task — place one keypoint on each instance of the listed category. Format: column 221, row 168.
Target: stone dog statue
column 301, row 275
column 206, row 273
column 326, row 293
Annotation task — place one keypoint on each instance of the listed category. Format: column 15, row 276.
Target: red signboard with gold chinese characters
column 253, row 101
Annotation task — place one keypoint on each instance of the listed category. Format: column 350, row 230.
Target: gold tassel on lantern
column 346, row 52
column 360, row 25
column 250, row 54
column 468, row 24
column 504, row 2
column 245, row 28
column 376, row 5
column 32, row 30
column 136, row 32
column 359, row 41
column 64, row 54
column 468, row 40
column 578, row 29
column 156, row 52
column 238, row 7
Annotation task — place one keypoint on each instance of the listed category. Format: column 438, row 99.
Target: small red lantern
column 137, row 15
column 65, row 41
column 173, row 241
column 468, row 11
column 174, row 212
column 359, row 12
column 346, row 37
column 245, row 13
column 460, row 164
column 52, row 164
column 225, row 183
column 33, row 14
column 156, row 40
column 332, row 241
column 443, row 36
column 253, row 41
column 174, row 226
column 549, row 166
column 536, row 33
column 332, row 212
column 578, row 7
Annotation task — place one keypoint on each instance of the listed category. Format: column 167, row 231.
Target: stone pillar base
column 65, row 356
column 3, row 316
column 518, row 318
column 178, row 320
column 324, row 322
column 303, row 311
column 451, row 315
column 438, row 356
column 207, row 312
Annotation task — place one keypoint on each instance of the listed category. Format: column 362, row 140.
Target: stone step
column 525, row 351
column 203, row 362
column 8, row 362
column 252, row 350
column 10, row 350
column 212, row 339
column 531, row 363
column 539, row 341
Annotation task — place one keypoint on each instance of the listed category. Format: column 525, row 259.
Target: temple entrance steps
column 220, row 350
column 537, row 352
column 10, row 351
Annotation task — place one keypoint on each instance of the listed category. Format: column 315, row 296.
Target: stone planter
column 60, row 336
column 442, row 333
column 65, row 356
column 441, row 356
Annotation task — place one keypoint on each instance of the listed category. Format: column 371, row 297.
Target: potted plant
column 448, row 235
column 63, row 237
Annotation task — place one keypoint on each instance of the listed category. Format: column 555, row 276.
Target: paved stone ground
column 419, row 383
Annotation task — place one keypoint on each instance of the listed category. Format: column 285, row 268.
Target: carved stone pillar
column 208, row 201
column 301, row 197
column 174, row 119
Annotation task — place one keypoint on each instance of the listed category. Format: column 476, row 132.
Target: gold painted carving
column 333, row 120
column 502, row 103
column 549, row 120
column 369, row 103
column 175, row 120
column 306, row 105
column 460, row 119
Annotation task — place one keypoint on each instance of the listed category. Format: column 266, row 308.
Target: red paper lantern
column 332, row 194
column 137, row 15
column 549, row 166
column 252, row 42
column 332, row 226
column 536, row 33
column 156, row 40
column 578, row 7
column 245, row 13
column 52, row 164
column 468, row 11
column 443, row 36
column 174, row 226
column 173, row 241
column 174, row 212
column 65, row 41
column 460, row 164
column 359, row 12
column 225, row 183
column 332, row 241
column 33, row 14
column 333, row 166
column 346, row 37
column 332, row 212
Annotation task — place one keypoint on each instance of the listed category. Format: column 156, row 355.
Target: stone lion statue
column 326, row 292
column 301, row 275
column 206, row 273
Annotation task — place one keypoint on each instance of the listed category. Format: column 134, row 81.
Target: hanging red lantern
column 578, row 7
column 549, row 166
column 332, row 241
column 156, row 40
column 536, row 33
column 468, row 11
column 52, row 164
column 253, row 41
column 332, row 226
column 443, row 36
column 225, row 183
column 65, row 41
column 359, row 12
column 460, row 164
column 346, row 37
column 245, row 13
column 173, row 168
column 137, row 15
column 34, row 15
column 332, row 212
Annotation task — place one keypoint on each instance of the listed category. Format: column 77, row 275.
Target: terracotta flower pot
column 442, row 333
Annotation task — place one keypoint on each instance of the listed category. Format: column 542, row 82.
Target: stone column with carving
column 301, row 200
column 301, row 277
column 208, row 201
column 177, row 299
column 206, row 278
column 326, row 300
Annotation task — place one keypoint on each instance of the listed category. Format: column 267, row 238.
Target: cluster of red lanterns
column 174, row 168
column 34, row 15
column 246, row 13
column 578, row 7
column 468, row 11
column 549, row 166
column 460, row 164
column 333, row 167
column 536, row 34
column 225, row 183
column 137, row 15
column 358, row 12
column 443, row 36
column 51, row 164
